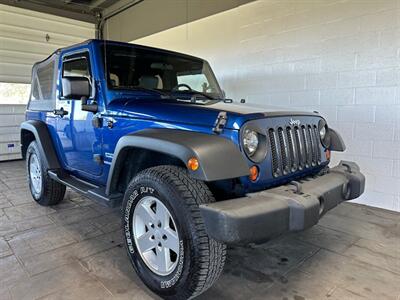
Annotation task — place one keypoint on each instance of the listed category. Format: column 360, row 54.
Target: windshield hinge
column 220, row 122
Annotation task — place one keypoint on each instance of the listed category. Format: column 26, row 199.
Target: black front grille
column 294, row 148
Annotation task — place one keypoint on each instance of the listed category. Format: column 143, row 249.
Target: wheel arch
column 38, row 131
column 26, row 138
column 132, row 160
column 152, row 147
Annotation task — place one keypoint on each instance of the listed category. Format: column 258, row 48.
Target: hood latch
column 220, row 122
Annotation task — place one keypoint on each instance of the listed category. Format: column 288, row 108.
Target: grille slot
column 313, row 145
column 318, row 144
column 294, row 158
column 294, row 148
column 301, row 148
column 283, row 146
column 276, row 171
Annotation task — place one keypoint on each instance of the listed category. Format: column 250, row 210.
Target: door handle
column 60, row 112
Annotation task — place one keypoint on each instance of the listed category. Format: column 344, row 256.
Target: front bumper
column 296, row 206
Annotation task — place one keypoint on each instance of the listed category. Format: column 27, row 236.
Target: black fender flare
column 337, row 143
column 42, row 136
column 219, row 158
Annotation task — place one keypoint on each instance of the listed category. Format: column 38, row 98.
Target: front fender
column 218, row 157
column 337, row 143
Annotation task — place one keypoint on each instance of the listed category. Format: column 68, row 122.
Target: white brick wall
column 341, row 58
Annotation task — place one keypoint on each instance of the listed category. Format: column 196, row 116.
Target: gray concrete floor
column 75, row 251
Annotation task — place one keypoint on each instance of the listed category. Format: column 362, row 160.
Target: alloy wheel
column 156, row 236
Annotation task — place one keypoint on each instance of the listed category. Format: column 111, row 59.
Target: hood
column 197, row 114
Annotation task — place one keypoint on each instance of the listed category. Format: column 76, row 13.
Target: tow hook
column 298, row 186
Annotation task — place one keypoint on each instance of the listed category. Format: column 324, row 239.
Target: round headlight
column 250, row 141
column 322, row 132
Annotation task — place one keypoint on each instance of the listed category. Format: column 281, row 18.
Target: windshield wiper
column 154, row 91
column 209, row 97
column 143, row 89
column 194, row 93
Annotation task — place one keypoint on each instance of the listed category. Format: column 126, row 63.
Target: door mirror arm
column 92, row 107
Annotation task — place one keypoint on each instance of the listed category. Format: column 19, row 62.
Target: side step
column 87, row 189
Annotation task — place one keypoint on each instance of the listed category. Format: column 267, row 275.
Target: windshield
column 134, row 68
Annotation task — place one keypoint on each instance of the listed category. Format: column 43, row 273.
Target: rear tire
column 44, row 190
column 199, row 260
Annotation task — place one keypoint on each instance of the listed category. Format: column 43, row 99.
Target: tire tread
column 211, row 254
column 54, row 191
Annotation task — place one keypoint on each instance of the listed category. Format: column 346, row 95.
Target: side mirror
column 75, row 87
column 78, row 88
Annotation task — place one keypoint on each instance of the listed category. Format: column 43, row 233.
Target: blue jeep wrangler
column 152, row 130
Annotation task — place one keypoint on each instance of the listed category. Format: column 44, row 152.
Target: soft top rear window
column 43, row 93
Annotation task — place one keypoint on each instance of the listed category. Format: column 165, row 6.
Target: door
column 80, row 141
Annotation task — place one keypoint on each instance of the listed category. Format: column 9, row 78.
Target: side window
column 44, row 85
column 77, row 65
column 35, row 90
column 45, row 76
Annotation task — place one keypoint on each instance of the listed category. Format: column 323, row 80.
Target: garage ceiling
column 32, row 29
column 163, row 14
column 83, row 10
column 129, row 20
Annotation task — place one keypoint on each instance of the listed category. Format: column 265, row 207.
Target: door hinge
column 98, row 158
column 97, row 122
column 220, row 122
column 110, row 124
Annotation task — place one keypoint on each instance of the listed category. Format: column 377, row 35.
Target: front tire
column 161, row 216
column 44, row 190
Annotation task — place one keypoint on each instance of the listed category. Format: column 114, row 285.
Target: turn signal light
column 193, row 164
column 328, row 154
column 253, row 173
